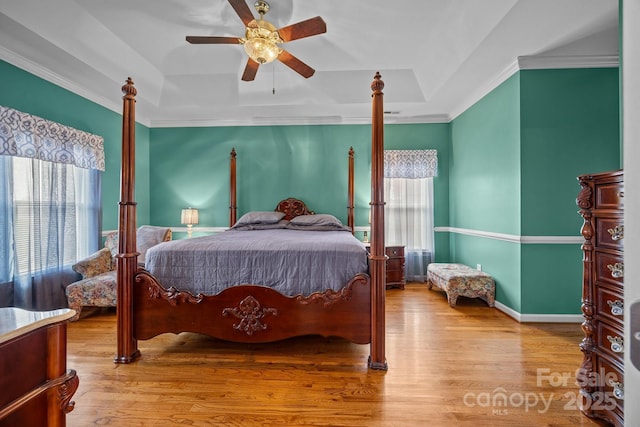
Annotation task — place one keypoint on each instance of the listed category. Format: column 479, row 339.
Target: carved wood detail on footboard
column 171, row 295
column 252, row 313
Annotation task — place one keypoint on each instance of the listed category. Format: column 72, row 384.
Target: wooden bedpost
column 127, row 258
column 233, row 208
column 377, row 257
column 350, row 202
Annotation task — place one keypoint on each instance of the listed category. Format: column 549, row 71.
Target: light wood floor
column 447, row 367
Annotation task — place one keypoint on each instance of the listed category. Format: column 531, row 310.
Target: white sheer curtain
column 408, row 189
column 50, row 207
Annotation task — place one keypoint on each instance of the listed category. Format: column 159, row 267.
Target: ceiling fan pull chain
column 273, row 91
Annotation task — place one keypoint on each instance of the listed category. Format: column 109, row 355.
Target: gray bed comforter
column 293, row 262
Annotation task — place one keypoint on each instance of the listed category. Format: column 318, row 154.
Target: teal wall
column 545, row 127
column 190, row 167
column 26, row 92
column 570, row 126
column 485, row 187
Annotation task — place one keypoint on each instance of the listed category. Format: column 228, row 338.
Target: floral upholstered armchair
column 98, row 287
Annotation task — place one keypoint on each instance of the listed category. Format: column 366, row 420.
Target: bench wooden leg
column 452, row 298
column 491, row 300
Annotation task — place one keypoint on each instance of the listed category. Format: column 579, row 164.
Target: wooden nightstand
column 395, row 266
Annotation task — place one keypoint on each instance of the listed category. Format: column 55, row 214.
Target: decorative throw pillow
column 111, row 242
column 95, row 264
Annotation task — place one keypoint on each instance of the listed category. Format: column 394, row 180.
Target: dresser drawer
column 610, row 340
column 609, row 305
column 609, row 268
column 394, row 251
column 610, row 233
column 395, row 277
column 609, row 195
column 610, row 381
column 395, row 264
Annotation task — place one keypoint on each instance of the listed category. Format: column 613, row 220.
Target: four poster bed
column 322, row 289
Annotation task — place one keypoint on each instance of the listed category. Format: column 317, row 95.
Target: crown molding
column 536, row 62
column 533, row 62
column 482, row 91
column 295, row 121
column 51, row 77
column 542, row 62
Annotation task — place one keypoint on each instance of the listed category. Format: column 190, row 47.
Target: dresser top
column 16, row 321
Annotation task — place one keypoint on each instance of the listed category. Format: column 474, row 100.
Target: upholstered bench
column 459, row 279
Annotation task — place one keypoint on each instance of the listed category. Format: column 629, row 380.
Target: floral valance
column 26, row 135
column 410, row 163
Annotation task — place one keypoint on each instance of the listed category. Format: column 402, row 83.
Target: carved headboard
column 292, row 208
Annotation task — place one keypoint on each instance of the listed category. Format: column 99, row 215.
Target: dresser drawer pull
column 617, row 270
column 621, row 194
column 618, row 389
column 617, row 307
column 617, row 343
column 617, row 232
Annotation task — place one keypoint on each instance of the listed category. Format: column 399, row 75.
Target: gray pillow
column 317, row 219
column 259, row 217
column 278, row 225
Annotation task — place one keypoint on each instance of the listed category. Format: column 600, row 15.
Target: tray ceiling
column 436, row 57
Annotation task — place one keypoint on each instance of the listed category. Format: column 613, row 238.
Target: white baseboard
column 539, row 318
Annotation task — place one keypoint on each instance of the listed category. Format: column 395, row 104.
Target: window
column 50, row 207
column 408, row 188
column 53, row 213
column 409, row 222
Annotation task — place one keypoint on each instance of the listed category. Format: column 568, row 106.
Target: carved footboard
column 252, row 313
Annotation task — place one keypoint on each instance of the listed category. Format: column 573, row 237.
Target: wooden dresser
column 601, row 202
column 35, row 385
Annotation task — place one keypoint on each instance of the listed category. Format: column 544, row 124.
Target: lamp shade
column 189, row 216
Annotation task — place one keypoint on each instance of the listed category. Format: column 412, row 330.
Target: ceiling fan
column 262, row 39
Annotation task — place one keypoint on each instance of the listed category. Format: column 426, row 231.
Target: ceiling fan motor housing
column 260, row 41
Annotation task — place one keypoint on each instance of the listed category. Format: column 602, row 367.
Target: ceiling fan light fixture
column 261, row 40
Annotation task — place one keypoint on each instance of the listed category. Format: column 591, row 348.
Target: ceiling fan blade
column 250, row 70
column 212, row 40
column 243, row 11
column 295, row 64
column 307, row 28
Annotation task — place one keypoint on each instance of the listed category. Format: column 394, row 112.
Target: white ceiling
column 436, row 57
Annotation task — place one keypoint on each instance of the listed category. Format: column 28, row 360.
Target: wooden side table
column 394, row 266
column 35, row 386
